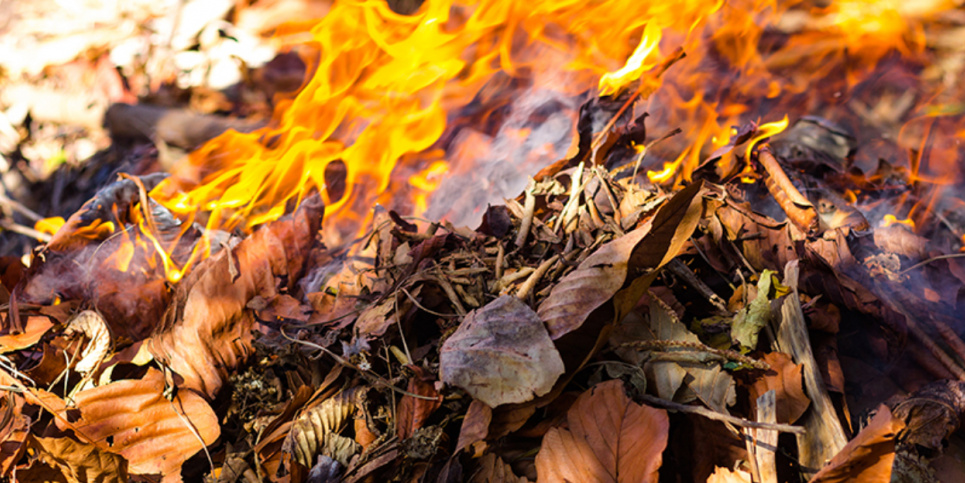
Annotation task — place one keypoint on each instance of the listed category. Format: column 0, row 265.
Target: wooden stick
column 707, row 413
column 799, row 210
column 765, row 441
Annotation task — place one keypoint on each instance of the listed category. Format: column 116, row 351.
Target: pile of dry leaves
column 561, row 340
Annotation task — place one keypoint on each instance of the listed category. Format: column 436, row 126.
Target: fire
column 404, row 105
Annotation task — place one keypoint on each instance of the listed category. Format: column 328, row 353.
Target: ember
column 482, row 241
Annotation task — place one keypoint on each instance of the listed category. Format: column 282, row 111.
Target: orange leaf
column 79, row 461
column 869, row 456
column 36, row 327
column 610, row 439
column 134, row 419
column 787, row 381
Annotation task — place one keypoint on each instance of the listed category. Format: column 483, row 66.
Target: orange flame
column 386, row 89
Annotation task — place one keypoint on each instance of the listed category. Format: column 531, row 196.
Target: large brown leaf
column 501, row 354
column 208, row 326
column 610, row 439
column 616, row 264
column 413, row 412
column 132, row 418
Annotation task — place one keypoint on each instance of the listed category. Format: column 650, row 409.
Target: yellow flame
column 49, row 225
column 765, row 131
column 890, row 219
column 613, row 82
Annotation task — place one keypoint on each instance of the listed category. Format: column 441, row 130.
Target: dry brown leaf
column 132, row 418
column 786, row 379
column 413, row 412
column 492, row 469
column 475, row 425
column 501, row 354
column 867, row 457
column 80, row 462
column 208, row 328
column 14, row 432
column 610, row 439
column 617, row 264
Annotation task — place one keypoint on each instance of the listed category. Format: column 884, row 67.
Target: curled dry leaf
column 501, row 354
column 316, row 431
column 132, row 418
column 208, row 327
column 869, row 456
column 91, row 325
column 13, row 432
column 610, row 439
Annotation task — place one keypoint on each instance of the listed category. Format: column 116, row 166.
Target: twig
column 345, row 362
column 707, row 413
column 19, row 208
column 930, row 260
column 500, row 259
column 529, row 209
column 24, row 230
column 681, row 270
column 799, row 210
column 697, row 347
column 534, row 278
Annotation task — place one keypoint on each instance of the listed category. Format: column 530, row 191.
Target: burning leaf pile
column 725, row 301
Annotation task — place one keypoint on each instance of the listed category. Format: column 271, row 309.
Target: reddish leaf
column 501, row 354
column 14, row 432
column 869, row 456
column 610, row 439
column 413, row 411
column 787, row 381
column 475, row 425
column 132, row 418
column 208, row 329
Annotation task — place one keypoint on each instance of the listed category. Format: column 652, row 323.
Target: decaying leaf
column 316, row 431
column 80, row 462
column 749, row 321
column 501, row 354
column 91, row 325
column 869, row 456
column 207, row 329
column 610, row 439
column 134, row 419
